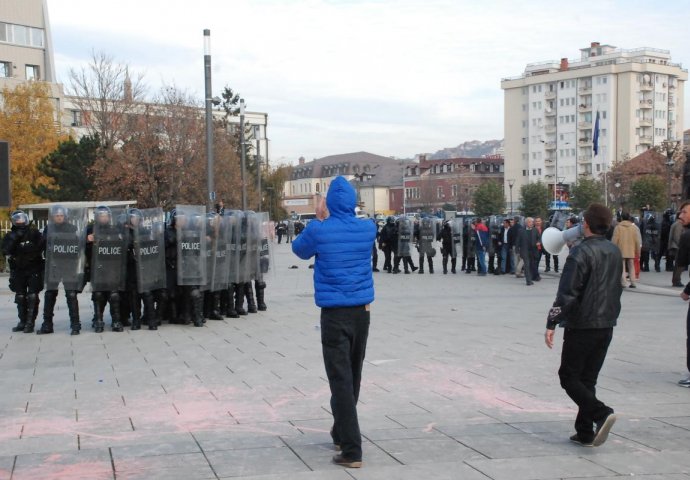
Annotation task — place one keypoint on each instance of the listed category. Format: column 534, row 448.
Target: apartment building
column 551, row 112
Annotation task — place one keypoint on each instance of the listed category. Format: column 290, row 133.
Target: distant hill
column 471, row 149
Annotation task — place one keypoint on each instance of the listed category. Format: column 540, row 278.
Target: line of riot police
column 462, row 237
column 197, row 266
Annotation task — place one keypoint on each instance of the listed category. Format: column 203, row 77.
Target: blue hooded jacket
column 342, row 245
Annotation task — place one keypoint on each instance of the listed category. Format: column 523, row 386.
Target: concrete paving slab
column 455, row 365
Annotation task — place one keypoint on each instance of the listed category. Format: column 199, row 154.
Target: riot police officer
column 388, row 239
column 424, row 236
column 107, row 251
column 64, row 238
column 23, row 246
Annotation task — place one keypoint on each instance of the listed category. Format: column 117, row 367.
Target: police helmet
column 58, row 210
column 19, row 218
column 102, row 214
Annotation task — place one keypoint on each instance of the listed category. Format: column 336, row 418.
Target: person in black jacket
column 587, row 306
column 23, row 246
column 388, row 239
column 682, row 260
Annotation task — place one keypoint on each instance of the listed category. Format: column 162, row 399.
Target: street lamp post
column 257, row 136
column 209, row 118
column 511, row 182
column 270, row 201
column 243, row 161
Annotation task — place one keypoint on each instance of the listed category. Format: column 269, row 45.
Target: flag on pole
column 595, row 138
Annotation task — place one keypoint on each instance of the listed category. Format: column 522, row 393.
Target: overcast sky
column 391, row 77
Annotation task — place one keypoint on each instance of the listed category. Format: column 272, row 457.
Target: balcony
column 646, row 87
column 585, row 90
column 584, row 108
column 645, row 140
column 646, row 122
column 584, row 125
column 550, row 95
column 548, row 160
column 584, row 159
column 550, row 129
column 550, row 145
column 646, row 103
column 550, row 112
column 671, row 86
column 584, row 142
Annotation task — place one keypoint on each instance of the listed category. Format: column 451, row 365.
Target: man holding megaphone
column 587, row 306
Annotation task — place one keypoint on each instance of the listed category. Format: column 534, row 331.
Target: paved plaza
column 457, row 384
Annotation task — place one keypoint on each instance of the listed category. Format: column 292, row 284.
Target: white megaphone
column 554, row 240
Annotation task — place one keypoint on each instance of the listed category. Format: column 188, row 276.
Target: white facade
column 550, row 113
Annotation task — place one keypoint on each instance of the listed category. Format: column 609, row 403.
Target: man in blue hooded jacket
column 343, row 288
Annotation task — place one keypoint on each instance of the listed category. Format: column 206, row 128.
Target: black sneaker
column 684, row 382
column 346, row 462
column 576, row 439
column 603, row 429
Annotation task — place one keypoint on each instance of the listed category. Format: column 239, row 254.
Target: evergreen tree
column 534, row 198
column 68, row 167
column 489, row 199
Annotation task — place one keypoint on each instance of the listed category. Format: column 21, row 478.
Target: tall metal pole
column 243, row 162
column 403, row 190
column 257, row 135
column 209, row 118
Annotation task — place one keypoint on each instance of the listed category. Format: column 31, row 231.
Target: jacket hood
column 626, row 223
column 341, row 198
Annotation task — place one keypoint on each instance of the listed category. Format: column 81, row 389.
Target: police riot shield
column 265, row 250
column 65, row 237
column 558, row 219
column 456, row 232
column 219, row 276
column 494, row 226
column 109, row 250
column 231, row 220
column 253, row 243
column 243, row 268
column 190, row 223
column 404, row 236
column 427, row 236
column 291, row 228
column 149, row 249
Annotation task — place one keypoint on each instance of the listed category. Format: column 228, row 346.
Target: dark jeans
column 344, row 333
column 582, row 357
column 687, row 339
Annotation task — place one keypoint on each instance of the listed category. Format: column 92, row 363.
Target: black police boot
column 49, row 300
column 197, row 308
column 115, row 312
column 260, row 288
column 453, row 263
column 431, row 266
column 229, row 298
column 31, row 311
column 73, row 309
column 215, row 307
column 136, row 311
column 20, row 300
column 249, row 293
column 239, row 299
column 150, row 311
column 98, row 308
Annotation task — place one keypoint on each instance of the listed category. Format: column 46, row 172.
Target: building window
column 76, row 118
column 454, row 190
column 439, row 192
column 5, row 69
column 32, row 72
column 524, row 173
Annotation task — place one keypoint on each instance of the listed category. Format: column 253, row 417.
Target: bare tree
column 106, row 94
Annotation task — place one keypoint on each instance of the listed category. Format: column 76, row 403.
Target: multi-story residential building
column 377, row 179
column 26, row 48
column 431, row 184
column 551, row 113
